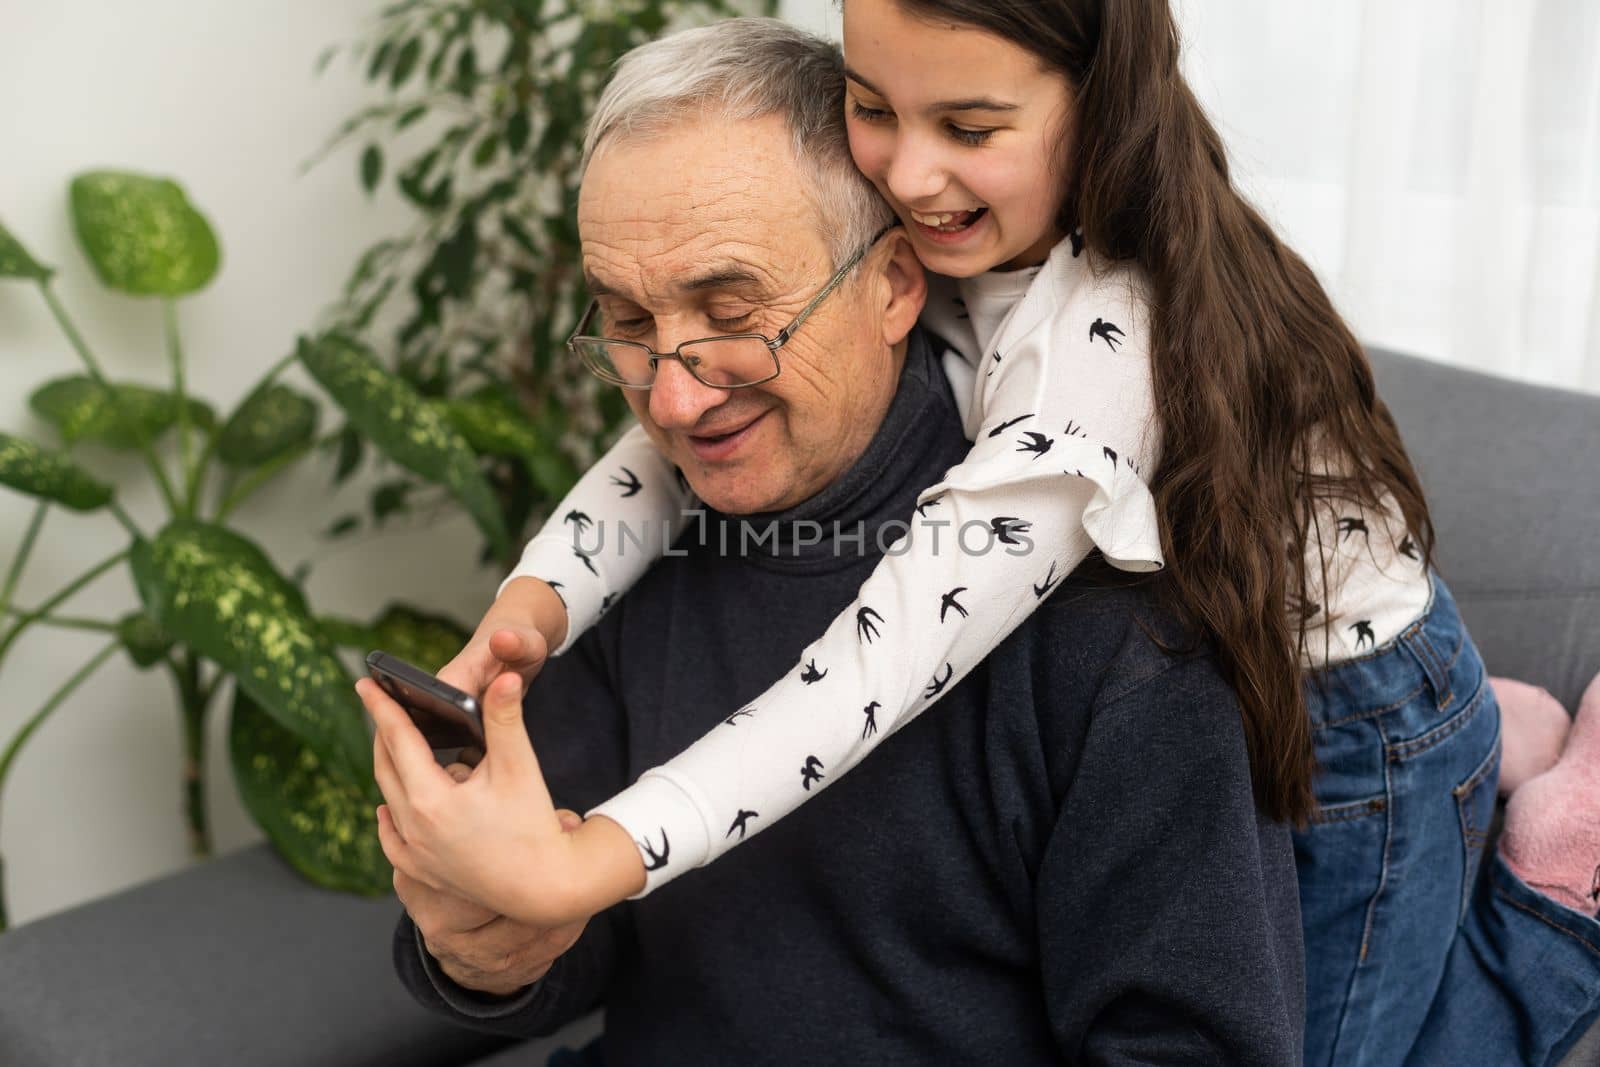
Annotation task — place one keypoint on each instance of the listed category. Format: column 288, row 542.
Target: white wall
column 223, row 98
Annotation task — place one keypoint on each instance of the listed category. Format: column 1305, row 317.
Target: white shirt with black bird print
column 1050, row 369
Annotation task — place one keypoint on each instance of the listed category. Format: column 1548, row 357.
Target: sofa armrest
column 238, row 960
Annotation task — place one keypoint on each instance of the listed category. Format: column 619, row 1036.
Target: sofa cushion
column 1512, row 476
column 227, row 962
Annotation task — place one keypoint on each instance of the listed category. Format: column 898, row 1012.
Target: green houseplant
column 478, row 124
column 213, row 607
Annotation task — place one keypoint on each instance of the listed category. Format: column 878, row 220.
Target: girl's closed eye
column 869, row 114
column 969, row 136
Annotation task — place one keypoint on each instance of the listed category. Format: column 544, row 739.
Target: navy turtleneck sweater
column 1060, row 859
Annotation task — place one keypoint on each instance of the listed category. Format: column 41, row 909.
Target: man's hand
column 478, row 949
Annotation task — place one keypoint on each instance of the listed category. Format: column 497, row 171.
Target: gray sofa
column 239, row 962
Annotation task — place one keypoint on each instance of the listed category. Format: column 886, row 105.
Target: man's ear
column 905, row 286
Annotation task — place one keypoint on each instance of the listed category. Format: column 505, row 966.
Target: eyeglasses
column 728, row 361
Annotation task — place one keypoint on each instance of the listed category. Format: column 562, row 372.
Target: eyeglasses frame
column 772, row 343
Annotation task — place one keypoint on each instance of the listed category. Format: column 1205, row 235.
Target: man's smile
column 717, row 447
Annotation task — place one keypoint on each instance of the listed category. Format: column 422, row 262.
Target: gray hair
column 749, row 68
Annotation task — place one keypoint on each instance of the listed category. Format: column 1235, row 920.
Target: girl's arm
column 1064, row 428
column 623, row 513
column 615, row 522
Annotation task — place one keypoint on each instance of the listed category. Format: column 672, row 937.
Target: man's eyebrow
column 716, row 279
column 597, row 287
column 971, row 103
column 721, row 279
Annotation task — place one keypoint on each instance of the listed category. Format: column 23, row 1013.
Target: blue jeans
column 1408, row 743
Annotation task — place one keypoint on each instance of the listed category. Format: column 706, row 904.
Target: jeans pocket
column 1475, row 799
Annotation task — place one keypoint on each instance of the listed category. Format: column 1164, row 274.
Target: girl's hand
column 515, row 635
column 495, row 838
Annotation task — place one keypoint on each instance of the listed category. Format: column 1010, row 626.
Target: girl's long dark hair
column 1260, row 387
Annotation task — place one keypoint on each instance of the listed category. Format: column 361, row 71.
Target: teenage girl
column 1147, row 372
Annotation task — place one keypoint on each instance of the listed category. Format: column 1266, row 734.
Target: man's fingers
column 459, row 771
column 570, row 820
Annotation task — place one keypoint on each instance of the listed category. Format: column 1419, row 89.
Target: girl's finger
column 409, row 753
column 383, row 772
column 506, row 737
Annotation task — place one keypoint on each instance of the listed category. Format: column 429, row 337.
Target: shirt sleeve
column 607, row 531
column 1063, row 433
column 1167, row 909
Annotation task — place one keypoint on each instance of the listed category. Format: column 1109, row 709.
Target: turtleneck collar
column 918, row 439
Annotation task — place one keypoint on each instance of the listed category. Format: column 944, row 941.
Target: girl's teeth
column 944, row 220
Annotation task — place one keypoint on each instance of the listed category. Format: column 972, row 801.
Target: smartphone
column 447, row 717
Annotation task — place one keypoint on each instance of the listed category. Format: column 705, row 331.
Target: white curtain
column 1434, row 160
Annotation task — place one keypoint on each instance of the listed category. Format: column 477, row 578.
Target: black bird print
column 1349, row 526
column 1110, row 453
column 811, row 772
column 871, row 712
column 936, row 686
column 1077, row 242
column 948, row 601
column 995, row 355
column 931, row 502
column 1037, row 443
column 655, row 860
column 811, row 675
column 1104, row 330
column 1074, row 430
column 1004, row 426
column 730, row 720
column 1408, row 547
column 606, row 602
column 1363, row 629
column 587, row 562
column 1305, row 609
column 1005, row 526
column 1050, row 581
column 961, row 308
column 629, row 486
column 738, row 823
column 578, row 519
column 866, row 629
column 556, row 587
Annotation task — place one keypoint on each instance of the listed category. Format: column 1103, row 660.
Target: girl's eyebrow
column 974, row 103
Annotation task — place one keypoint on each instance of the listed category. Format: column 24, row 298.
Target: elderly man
column 1062, row 860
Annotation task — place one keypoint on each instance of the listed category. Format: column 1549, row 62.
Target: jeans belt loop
column 1432, row 664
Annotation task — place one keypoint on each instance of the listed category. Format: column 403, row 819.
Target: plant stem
column 69, row 622
column 15, row 570
column 126, row 520
column 169, row 322
column 34, row 723
column 99, row 376
column 24, row 621
column 226, row 497
column 193, row 700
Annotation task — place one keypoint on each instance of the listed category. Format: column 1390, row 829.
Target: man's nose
column 916, row 174
column 678, row 400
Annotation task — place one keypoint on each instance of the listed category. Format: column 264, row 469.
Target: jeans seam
column 1572, row 934
column 1383, row 872
column 1418, row 745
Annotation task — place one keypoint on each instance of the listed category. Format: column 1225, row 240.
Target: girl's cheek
column 871, row 149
